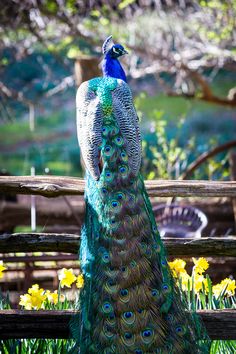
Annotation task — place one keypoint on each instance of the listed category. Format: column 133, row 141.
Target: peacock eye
column 170, row 317
column 115, row 50
column 108, row 176
column 111, row 282
column 128, row 335
column 143, row 246
column 147, row 333
column 124, row 292
column 124, row 156
column 106, row 257
column 127, row 314
column 163, row 262
column 154, row 292
column 166, row 288
column 180, row 330
column 120, row 196
column 107, row 308
column 119, row 141
column 157, row 247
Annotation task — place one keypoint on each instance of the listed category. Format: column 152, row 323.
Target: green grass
column 174, row 108
column 171, row 106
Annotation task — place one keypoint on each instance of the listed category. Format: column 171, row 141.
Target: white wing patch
column 127, row 119
column 89, row 127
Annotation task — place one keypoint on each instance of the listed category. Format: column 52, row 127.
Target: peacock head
column 113, row 50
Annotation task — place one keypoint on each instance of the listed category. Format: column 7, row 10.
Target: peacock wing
column 127, row 119
column 89, row 127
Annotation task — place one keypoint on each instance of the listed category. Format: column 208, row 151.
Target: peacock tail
column 130, row 303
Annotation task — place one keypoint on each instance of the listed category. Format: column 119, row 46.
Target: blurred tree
column 184, row 44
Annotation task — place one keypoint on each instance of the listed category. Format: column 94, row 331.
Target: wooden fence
column 221, row 324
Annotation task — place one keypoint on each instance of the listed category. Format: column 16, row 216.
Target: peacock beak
column 124, row 52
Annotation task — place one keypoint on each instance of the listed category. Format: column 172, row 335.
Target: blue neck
column 111, row 67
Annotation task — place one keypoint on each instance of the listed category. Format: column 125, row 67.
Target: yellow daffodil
column 2, row 268
column 199, row 281
column 217, row 289
column 206, row 285
column 25, row 301
column 80, row 281
column 177, row 267
column 185, row 281
column 201, row 265
column 53, row 297
column 66, row 277
column 34, row 290
column 37, row 301
column 227, row 286
column 34, row 299
column 231, row 287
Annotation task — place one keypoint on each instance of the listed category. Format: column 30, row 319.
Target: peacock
column 129, row 303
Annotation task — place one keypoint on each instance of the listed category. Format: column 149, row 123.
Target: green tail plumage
column 130, row 303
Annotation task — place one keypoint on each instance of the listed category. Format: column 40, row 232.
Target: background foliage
column 181, row 69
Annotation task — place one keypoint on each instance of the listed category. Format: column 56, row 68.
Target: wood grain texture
column 55, row 186
column 55, row 215
column 69, row 243
column 220, row 324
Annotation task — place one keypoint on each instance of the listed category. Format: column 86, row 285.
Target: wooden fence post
column 232, row 162
column 86, row 67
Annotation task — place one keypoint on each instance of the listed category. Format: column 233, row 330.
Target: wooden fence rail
column 69, row 243
column 220, row 324
column 55, row 186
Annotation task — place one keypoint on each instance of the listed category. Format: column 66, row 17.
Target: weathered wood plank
column 220, row 324
column 40, row 242
column 204, row 247
column 34, row 324
column 55, row 186
column 55, row 215
column 52, row 186
column 69, row 243
column 51, row 212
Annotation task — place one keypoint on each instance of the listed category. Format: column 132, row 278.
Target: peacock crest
column 107, row 45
